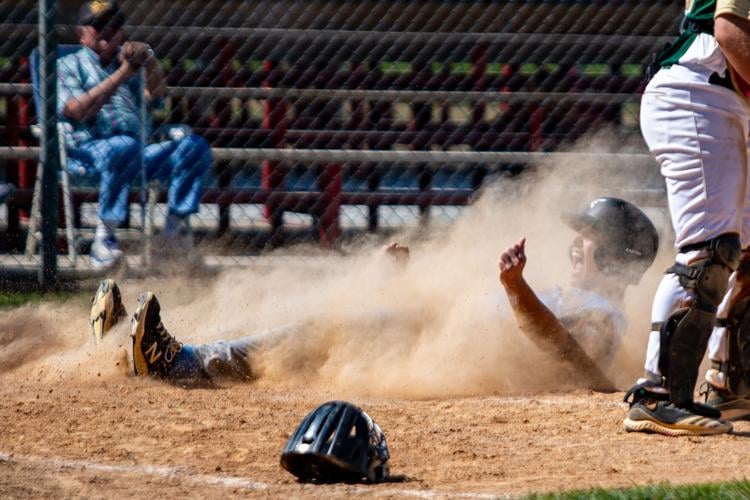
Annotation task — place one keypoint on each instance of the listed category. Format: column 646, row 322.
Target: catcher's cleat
column 716, row 378
column 663, row 417
column 731, row 407
column 154, row 349
column 106, row 309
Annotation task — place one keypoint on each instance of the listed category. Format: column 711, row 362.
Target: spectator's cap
column 101, row 13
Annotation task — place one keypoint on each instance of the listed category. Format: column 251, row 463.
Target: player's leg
column 663, row 399
column 157, row 353
column 670, row 296
column 696, row 147
column 717, row 343
column 728, row 378
column 237, row 359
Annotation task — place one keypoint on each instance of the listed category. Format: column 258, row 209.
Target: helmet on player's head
column 337, row 442
column 627, row 240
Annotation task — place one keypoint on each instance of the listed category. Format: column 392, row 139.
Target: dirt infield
column 75, row 423
column 469, row 407
column 134, row 437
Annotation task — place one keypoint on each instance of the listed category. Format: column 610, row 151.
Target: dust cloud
column 440, row 327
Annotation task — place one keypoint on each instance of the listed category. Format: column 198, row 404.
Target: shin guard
column 687, row 336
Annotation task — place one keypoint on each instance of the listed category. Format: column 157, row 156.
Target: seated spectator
column 98, row 96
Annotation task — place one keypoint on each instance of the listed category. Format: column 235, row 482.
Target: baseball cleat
column 716, row 379
column 154, row 349
column 663, row 417
column 731, row 407
column 106, row 309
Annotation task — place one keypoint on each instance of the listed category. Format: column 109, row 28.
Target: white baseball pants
column 698, row 132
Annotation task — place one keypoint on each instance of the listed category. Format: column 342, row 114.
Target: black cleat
column 663, row 417
column 731, row 407
column 154, row 349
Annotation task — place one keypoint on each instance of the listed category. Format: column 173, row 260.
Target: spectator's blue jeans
column 181, row 164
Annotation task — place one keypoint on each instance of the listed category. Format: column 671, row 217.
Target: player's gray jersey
column 595, row 322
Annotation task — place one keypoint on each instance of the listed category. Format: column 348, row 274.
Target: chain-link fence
column 325, row 119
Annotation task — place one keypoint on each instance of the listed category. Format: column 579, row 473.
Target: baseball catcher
column 694, row 119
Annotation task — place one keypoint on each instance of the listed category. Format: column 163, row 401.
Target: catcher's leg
column 727, row 385
column 682, row 343
column 682, row 349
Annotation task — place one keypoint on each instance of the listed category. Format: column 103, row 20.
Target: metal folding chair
column 34, row 236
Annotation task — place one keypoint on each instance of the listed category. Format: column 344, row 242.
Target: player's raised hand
column 511, row 263
column 397, row 252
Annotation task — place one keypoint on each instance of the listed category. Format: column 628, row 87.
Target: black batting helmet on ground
column 627, row 239
column 337, row 442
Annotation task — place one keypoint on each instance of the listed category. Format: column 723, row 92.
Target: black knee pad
column 709, row 277
column 665, row 333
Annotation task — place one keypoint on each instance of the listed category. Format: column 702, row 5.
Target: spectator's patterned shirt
column 79, row 72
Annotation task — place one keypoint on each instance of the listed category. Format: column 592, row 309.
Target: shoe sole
column 104, row 314
column 140, row 366
column 672, row 430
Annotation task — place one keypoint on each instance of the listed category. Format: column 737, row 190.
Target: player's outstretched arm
column 539, row 323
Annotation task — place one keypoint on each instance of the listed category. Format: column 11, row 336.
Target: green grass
column 728, row 490
column 9, row 300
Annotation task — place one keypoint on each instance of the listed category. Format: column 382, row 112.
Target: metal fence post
column 49, row 153
column 274, row 120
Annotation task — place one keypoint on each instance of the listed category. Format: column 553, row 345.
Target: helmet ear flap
column 601, row 257
column 607, row 257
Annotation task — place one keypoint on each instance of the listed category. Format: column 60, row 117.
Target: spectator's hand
column 135, row 55
column 512, row 262
column 397, row 253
